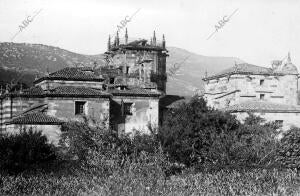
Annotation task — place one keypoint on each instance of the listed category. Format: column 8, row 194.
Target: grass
column 135, row 181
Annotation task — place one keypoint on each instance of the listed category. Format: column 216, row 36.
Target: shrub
column 189, row 131
column 288, row 154
column 254, row 144
column 21, row 151
column 136, row 182
column 103, row 149
column 195, row 134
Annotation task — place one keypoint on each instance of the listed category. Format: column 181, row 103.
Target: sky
column 258, row 32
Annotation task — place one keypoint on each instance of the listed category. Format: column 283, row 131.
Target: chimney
column 126, row 37
column 154, row 39
column 164, row 42
column 108, row 43
column 117, row 39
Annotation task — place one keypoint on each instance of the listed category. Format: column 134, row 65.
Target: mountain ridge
column 37, row 59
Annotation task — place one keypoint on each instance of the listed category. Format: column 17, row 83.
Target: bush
column 195, row 134
column 21, row 151
column 288, row 154
column 254, row 144
column 189, row 131
column 103, row 149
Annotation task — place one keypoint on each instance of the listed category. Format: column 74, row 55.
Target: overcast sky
column 260, row 30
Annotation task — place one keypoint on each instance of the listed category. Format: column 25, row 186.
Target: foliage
column 100, row 147
column 110, row 164
column 189, row 131
column 195, row 134
column 25, row 149
column 141, row 179
column 288, row 154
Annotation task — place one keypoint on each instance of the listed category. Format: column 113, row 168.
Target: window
column 79, row 107
column 111, row 80
column 127, row 109
column 261, row 82
column 262, row 96
column 279, row 122
column 127, row 70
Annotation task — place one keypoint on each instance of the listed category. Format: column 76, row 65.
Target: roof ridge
column 242, row 68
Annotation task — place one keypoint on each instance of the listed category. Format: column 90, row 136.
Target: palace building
column 124, row 94
column 270, row 92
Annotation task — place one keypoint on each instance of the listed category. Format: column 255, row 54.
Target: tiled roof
column 263, row 106
column 134, row 92
column 73, row 73
column 35, row 91
column 243, row 68
column 37, row 118
column 61, row 91
column 76, row 91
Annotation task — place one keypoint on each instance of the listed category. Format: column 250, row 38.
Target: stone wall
column 138, row 65
column 64, row 108
column 144, row 111
column 279, row 89
column 12, row 106
column 289, row 119
column 60, row 107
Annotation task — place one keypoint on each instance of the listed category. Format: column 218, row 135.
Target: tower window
column 127, row 70
column 261, row 82
column 262, row 96
column 79, row 107
column 111, row 80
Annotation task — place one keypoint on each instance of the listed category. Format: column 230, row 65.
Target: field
column 224, row 182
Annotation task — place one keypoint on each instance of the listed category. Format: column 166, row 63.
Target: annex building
column 271, row 93
column 124, row 94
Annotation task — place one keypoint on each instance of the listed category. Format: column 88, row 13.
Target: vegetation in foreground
column 197, row 151
column 132, row 182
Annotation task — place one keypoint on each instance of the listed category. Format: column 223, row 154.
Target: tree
column 193, row 134
column 189, row 131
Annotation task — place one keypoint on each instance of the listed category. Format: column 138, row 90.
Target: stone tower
column 141, row 62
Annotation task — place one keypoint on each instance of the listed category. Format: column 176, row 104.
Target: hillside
column 192, row 71
column 25, row 61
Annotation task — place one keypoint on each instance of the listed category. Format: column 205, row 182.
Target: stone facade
column 140, row 62
column 244, row 87
column 286, row 119
column 124, row 94
column 143, row 113
column 226, row 91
